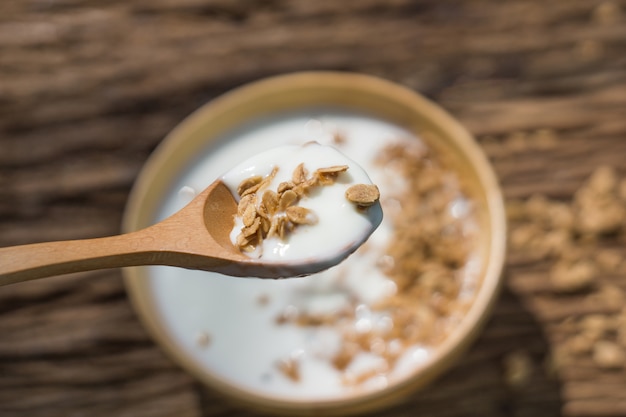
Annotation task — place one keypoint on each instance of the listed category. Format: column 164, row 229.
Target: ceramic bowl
column 281, row 95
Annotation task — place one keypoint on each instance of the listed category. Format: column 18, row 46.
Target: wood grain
column 89, row 88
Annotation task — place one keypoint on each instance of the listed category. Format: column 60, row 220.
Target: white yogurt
column 240, row 315
column 340, row 227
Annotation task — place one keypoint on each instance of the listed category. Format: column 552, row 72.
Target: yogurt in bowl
column 384, row 321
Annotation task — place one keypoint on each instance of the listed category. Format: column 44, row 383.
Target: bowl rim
column 455, row 343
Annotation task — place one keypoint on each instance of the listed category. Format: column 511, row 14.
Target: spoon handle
column 180, row 240
column 39, row 260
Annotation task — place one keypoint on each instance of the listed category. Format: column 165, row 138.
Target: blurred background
column 89, row 88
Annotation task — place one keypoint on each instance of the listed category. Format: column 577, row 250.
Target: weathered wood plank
column 89, row 88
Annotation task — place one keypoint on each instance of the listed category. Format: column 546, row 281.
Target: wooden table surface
column 89, row 88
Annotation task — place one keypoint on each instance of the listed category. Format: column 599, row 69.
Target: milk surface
column 239, row 316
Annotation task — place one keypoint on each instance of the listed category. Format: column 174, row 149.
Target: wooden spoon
column 196, row 237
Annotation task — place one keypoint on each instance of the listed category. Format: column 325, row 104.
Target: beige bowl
column 354, row 92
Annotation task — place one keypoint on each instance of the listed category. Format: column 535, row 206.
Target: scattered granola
column 598, row 210
column 339, row 137
column 573, row 276
column 422, row 261
column 518, row 368
column 263, row 299
column 363, row 195
column 290, row 368
column 519, row 142
column 575, row 240
column 203, row 339
column 608, row 355
column 267, row 213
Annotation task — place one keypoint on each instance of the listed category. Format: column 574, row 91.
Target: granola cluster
column 267, row 213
